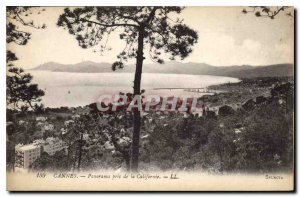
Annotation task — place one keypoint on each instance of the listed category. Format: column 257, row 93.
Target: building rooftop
column 25, row 147
column 37, row 143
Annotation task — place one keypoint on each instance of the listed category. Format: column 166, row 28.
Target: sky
column 226, row 37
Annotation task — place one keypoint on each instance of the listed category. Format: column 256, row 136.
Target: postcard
column 150, row 98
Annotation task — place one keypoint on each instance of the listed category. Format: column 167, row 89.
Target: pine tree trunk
column 80, row 152
column 136, row 113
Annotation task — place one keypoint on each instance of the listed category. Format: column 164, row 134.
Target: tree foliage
column 15, row 18
column 269, row 12
column 21, row 93
column 91, row 25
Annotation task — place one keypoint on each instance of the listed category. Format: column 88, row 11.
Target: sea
column 80, row 89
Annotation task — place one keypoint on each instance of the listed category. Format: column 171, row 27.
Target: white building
column 51, row 145
column 28, row 153
column 41, row 118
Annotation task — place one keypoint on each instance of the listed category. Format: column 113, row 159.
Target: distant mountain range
column 174, row 67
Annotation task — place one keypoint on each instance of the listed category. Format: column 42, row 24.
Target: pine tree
column 21, row 94
column 142, row 27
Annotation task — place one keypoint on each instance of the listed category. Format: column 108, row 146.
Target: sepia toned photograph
column 150, row 98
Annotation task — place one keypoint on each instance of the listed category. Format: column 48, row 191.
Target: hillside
column 173, row 67
column 277, row 70
column 82, row 67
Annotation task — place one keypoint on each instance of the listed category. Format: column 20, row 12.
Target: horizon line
column 130, row 64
